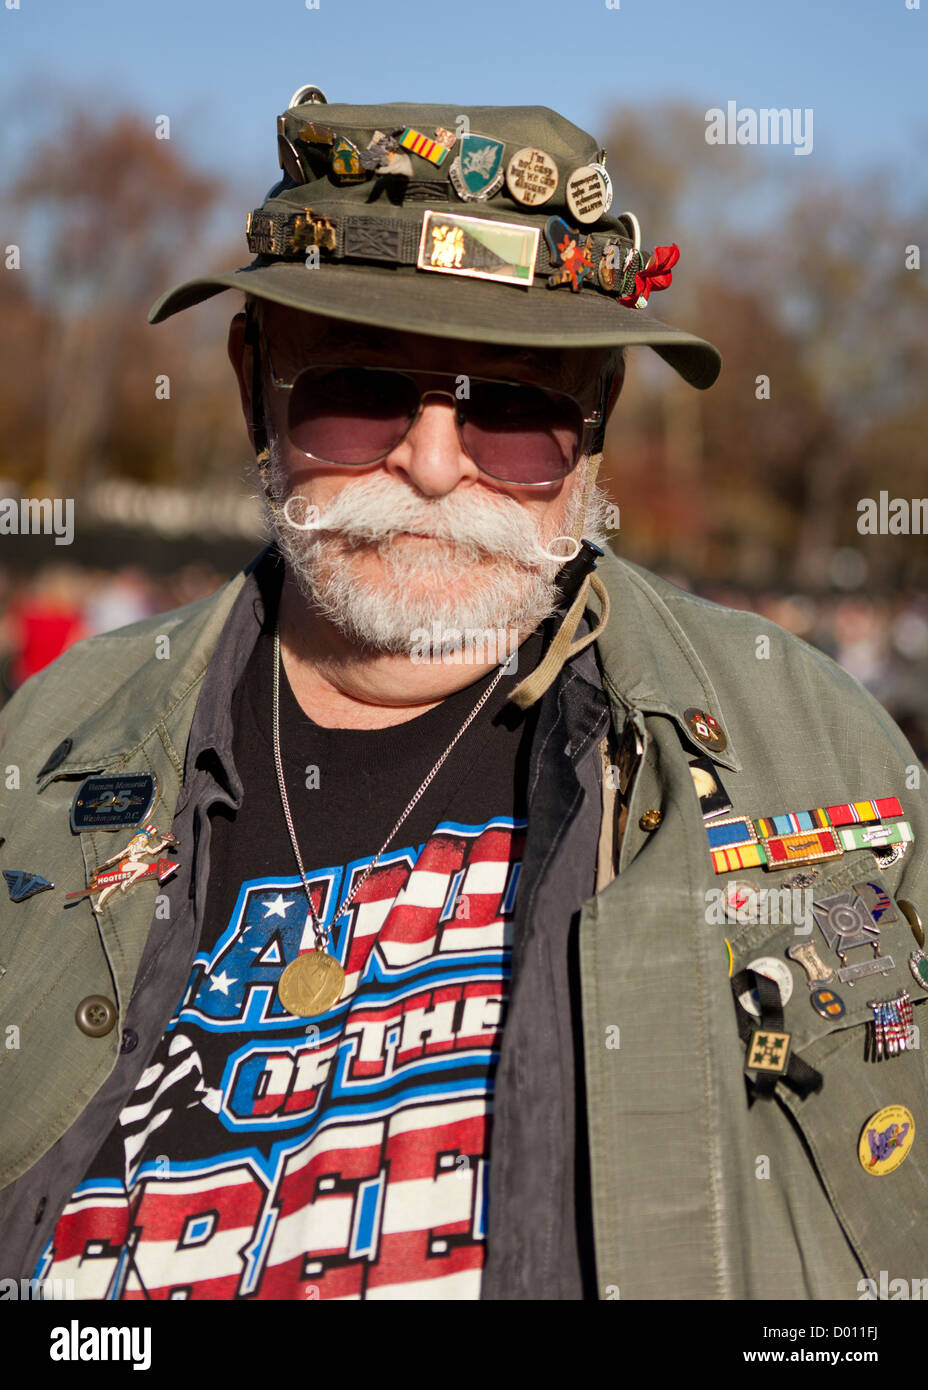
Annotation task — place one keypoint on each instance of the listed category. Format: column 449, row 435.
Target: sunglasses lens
column 522, row 434
column 357, row 415
column 349, row 414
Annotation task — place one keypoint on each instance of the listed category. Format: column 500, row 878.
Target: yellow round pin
column 886, row 1139
column 731, row 959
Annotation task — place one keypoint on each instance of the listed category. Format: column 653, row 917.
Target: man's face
column 423, row 536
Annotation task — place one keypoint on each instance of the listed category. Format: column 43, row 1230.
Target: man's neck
column 342, row 686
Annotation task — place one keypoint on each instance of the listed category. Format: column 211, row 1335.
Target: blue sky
column 860, row 64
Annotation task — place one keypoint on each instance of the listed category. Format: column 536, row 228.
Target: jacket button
column 96, row 1015
column 650, row 820
column 130, row 1040
column 56, row 756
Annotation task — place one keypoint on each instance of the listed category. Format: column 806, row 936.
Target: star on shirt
column 222, row 983
column 276, row 907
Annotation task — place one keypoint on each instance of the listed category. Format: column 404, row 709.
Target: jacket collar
column 648, row 665
column 648, row 662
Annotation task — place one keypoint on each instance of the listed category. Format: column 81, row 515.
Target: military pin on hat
column 531, row 176
column 477, row 170
column 588, row 192
column 572, row 257
column 346, row 161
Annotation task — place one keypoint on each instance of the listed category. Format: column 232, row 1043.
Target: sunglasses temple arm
column 599, row 430
column 258, row 429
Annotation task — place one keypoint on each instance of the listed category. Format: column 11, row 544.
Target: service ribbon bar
column 802, row 837
column 726, row 861
column 804, row 848
column 736, row 830
column 852, row 812
column 733, row 844
column 792, row 822
column 898, row 832
column 420, row 144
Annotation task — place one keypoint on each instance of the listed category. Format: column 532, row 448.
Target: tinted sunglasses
column 514, row 432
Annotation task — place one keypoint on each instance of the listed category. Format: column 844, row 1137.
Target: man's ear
column 240, row 355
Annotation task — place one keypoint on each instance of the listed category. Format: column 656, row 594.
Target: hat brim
column 406, row 299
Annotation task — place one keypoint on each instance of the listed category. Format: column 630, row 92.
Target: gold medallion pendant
column 311, row 984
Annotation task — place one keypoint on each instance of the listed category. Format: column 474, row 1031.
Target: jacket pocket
column 883, row 1216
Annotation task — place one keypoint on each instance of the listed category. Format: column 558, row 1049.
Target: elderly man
column 490, row 947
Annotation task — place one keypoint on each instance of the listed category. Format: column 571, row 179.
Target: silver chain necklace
column 313, row 982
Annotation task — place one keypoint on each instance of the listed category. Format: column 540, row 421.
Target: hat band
column 275, row 234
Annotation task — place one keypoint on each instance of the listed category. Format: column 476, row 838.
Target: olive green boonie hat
column 489, row 224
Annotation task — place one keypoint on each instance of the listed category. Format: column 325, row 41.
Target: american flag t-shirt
column 344, row 1156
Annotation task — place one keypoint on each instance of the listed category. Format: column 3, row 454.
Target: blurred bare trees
column 817, row 301
column 797, row 274
column 108, row 216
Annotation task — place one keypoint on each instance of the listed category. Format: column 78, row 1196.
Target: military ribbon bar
column 804, row 848
column 726, row 861
column 421, row 145
column 737, row 830
column 852, row 812
column 792, row 822
column 802, row 837
column 897, row 832
column 733, row 845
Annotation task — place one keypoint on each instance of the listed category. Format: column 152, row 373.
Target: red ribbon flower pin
column 656, row 275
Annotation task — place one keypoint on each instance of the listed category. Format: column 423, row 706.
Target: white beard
column 491, row 577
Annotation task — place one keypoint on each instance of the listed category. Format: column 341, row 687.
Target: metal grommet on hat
column 302, row 95
column 632, row 226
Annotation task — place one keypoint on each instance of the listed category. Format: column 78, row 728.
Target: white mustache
column 375, row 510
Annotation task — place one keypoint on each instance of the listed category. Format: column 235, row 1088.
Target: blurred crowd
column 44, row 614
column 882, row 640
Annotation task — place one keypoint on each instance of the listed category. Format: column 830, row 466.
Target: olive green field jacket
column 697, row 1191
